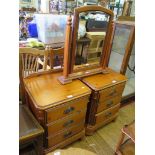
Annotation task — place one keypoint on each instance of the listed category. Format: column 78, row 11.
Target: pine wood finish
column 66, row 122
column 105, row 98
column 70, row 46
column 30, row 64
column 60, row 137
column 68, row 108
column 105, row 139
column 60, row 109
column 108, row 103
column 106, row 114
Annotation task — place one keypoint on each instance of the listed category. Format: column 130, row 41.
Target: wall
column 45, row 6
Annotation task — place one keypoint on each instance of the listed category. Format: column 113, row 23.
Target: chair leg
column 119, row 144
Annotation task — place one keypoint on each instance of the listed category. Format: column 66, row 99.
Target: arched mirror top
column 93, row 8
column 89, row 36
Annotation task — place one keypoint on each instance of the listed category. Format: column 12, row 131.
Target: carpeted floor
column 104, row 141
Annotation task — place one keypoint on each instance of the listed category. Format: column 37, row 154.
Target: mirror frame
column 70, row 46
column 130, row 25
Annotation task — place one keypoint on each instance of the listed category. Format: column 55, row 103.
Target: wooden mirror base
column 64, row 80
column 81, row 74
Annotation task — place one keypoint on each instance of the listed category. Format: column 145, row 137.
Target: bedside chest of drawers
column 60, row 109
column 105, row 98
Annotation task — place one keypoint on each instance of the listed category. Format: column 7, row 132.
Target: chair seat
column 28, row 125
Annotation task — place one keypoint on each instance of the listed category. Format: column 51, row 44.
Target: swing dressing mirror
column 87, row 43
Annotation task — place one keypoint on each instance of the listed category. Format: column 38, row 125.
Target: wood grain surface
column 46, row 91
column 101, row 81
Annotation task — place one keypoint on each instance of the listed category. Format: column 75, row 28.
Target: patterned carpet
column 104, row 141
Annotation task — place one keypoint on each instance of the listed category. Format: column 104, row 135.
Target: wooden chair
column 31, row 63
column 30, row 133
column 126, row 147
column 60, row 54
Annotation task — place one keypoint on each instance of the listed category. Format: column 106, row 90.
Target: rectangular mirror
column 92, row 29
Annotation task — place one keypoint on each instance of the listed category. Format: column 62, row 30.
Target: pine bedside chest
column 60, row 109
column 105, row 98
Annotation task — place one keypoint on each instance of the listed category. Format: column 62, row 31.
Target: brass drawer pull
column 70, row 109
column 68, row 123
column 109, row 103
column 108, row 114
column 67, row 134
column 113, row 93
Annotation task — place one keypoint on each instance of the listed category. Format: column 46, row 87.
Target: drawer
column 65, row 123
column 66, row 109
column 58, row 138
column 103, row 105
column 107, row 114
column 112, row 91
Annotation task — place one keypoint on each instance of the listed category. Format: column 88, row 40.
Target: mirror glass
column 91, row 32
column 120, row 40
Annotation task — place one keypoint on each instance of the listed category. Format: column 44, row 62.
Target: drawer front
column 111, row 92
column 66, row 109
column 58, row 138
column 108, row 103
column 66, row 123
column 107, row 114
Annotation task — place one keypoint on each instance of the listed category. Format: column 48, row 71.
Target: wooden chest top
column 101, row 81
column 46, row 91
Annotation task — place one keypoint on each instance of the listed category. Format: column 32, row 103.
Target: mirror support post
column 67, row 47
column 110, row 35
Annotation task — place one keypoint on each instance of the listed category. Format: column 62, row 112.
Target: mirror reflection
column 90, row 37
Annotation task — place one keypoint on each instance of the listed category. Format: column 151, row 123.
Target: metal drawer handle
column 68, row 123
column 108, row 114
column 70, row 109
column 67, row 134
column 113, row 92
column 109, row 103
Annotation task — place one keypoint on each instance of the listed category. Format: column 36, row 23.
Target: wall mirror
column 88, row 41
